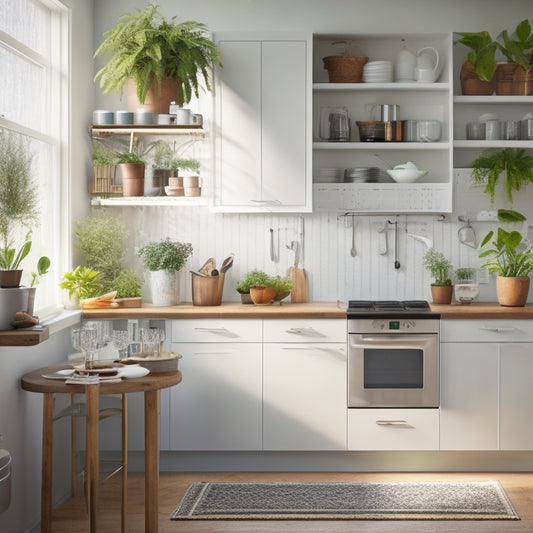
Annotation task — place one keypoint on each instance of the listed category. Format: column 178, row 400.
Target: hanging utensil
column 382, row 243
column 272, row 251
column 226, row 264
column 396, row 261
column 467, row 235
column 425, row 240
column 353, row 251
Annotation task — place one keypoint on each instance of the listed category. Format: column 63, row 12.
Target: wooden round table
column 150, row 385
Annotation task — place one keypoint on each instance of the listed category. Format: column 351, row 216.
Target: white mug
column 183, row 117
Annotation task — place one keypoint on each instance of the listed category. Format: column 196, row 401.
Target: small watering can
column 427, row 68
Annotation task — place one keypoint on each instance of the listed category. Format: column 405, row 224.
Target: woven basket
column 343, row 69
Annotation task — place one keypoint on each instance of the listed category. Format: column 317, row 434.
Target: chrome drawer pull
column 309, row 332
column 219, row 331
column 497, row 329
column 397, row 423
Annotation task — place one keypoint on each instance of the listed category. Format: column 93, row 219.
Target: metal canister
column 410, row 130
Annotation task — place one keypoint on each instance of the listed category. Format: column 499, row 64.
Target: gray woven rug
column 346, row 501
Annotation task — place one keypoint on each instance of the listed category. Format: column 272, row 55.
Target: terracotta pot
column 262, row 295
column 523, row 82
column 471, row 84
column 442, row 294
column 513, row 80
column 158, row 97
column 512, row 292
column 132, row 179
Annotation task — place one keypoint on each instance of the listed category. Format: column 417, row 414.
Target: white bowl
column 406, row 175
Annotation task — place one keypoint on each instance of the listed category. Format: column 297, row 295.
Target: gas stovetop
column 389, row 308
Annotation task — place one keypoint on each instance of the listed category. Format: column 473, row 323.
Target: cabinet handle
column 267, row 202
column 397, row 423
column 219, row 331
column 497, row 329
column 308, row 332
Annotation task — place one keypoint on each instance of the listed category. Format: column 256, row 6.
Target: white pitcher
column 427, row 68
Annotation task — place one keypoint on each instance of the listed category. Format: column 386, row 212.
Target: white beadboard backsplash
column 333, row 274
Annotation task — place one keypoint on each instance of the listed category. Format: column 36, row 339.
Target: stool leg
column 124, row 506
column 46, row 468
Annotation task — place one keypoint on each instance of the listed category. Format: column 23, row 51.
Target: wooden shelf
column 24, row 337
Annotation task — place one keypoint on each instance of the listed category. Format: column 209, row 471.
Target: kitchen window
column 34, row 102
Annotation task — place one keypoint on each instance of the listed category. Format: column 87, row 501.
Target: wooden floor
column 71, row 517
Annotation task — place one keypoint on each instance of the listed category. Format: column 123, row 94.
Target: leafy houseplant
column 148, row 49
column 132, row 167
column 516, row 76
column 82, row 283
column 515, row 164
column 477, row 72
column 440, row 268
column 512, row 260
column 19, row 204
column 163, row 259
column 280, row 286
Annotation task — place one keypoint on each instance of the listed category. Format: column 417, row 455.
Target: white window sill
column 61, row 319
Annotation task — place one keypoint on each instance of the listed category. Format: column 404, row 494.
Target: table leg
column 46, row 468
column 124, row 516
column 152, row 438
column 92, row 392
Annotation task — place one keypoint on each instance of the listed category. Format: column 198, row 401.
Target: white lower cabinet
column 469, row 396
column 304, row 384
column 304, row 396
column 393, row 429
column 486, row 377
column 218, row 404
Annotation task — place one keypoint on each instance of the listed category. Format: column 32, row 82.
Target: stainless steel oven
column 393, row 354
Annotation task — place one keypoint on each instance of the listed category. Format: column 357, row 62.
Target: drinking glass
column 120, row 341
column 85, row 340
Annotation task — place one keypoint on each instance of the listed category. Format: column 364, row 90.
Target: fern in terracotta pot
column 156, row 58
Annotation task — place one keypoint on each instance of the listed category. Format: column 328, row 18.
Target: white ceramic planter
column 12, row 301
column 165, row 288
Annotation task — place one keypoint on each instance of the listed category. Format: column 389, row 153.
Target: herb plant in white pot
column 164, row 259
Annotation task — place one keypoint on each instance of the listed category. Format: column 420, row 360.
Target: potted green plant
column 515, row 77
column 514, row 164
column 512, row 260
column 159, row 60
column 132, row 167
column 465, row 286
column 259, row 287
column 440, row 268
column 254, row 278
column 82, row 283
column 19, row 206
column 477, row 71
column 164, row 259
column 100, row 242
column 105, row 166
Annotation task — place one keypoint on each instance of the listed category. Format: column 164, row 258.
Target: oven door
column 393, row 370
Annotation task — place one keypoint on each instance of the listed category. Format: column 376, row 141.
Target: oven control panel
column 393, row 325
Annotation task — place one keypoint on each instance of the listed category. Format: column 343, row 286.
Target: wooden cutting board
column 299, row 284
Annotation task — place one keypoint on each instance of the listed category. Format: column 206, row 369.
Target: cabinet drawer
column 393, row 429
column 492, row 330
column 216, row 330
column 305, row 330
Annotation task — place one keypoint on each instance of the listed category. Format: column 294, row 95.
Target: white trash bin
column 5, row 480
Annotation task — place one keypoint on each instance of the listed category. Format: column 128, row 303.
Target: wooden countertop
column 304, row 310
column 482, row 310
column 226, row 310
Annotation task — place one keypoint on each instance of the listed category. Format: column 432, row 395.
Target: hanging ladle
column 396, row 262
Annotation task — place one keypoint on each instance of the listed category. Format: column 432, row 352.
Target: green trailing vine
column 514, row 164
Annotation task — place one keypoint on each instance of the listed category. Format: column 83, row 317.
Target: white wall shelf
column 380, row 146
column 130, row 201
column 145, row 129
column 333, row 87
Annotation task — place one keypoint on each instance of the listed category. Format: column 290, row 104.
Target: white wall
column 333, row 273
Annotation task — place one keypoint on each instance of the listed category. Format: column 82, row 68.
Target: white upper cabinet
column 263, row 135
column 417, row 101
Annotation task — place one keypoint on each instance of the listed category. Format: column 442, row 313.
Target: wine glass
column 84, row 340
column 120, row 339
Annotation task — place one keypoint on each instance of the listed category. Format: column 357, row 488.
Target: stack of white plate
column 377, row 72
column 329, row 175
column 361, row 175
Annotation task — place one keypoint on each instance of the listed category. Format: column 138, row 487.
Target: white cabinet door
column 263, row 133
column 218, row 404
column 304, row 396
column 469, row 396
column 516, row 391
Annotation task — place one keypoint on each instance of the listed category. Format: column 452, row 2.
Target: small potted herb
column 465, row 286
column 259, row 287
column 440, row 268
column 132, row 167
column 164, row 259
